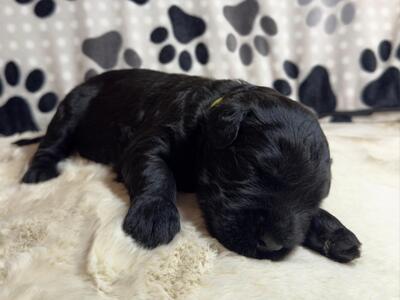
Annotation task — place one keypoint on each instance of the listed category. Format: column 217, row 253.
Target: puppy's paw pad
column 152, row 224
column 40, row 174
column 343, row 246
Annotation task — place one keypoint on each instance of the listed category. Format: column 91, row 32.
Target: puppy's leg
column 57, row 143
column 331, row 238
column 153, row 218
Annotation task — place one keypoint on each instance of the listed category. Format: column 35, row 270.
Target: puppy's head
column 265, row 168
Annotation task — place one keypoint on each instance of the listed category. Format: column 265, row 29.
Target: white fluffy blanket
column 63, row 240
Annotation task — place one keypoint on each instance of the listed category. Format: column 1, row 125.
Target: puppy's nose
column 267, row 243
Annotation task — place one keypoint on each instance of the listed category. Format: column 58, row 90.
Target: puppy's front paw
column 328, row 236
column 343, row 246
column 152, row 223
column 40, row 173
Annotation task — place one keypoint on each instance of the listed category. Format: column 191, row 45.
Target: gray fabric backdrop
column 333, row 55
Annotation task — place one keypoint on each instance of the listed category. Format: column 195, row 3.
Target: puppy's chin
column 259, row 252
column 272, row 255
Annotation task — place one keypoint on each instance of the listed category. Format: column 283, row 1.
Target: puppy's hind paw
column 343, row 246
column 153, row 223
column 36, row 174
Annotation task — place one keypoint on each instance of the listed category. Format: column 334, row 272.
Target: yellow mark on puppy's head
column 216, row 102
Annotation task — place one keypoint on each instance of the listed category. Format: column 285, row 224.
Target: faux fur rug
column 63, row 240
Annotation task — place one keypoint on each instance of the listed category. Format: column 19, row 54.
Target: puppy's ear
column 223, row 123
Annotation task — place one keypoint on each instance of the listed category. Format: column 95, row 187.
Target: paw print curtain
column 339, row 57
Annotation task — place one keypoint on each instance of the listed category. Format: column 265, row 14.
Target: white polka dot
column 220, row 18
column 25, row 10
column 348, row 76
column 72, row 8
column 350, row 92
column 387, row 26
column 385, row 12
column 64, row 58
column 27, row 27
column 32, row 62
column 357, row 26
column 87, row 5
column 373, row 25
column 189, row 5
column 8, row 11
column 102, row 6
column 89, row 23
column 375, row 40
column 330, row 64
column 136, row 35
column 105, row 22
column 315, row 48
column 59, row 25
column 359, row 42
column 284, row 36
column 66, row 75
column 152, row 52
column 329, row 48
column 29, row 44
column 283, row 4
column 10, row 28
column 61, row 42
column 221, row 34
column 315, row 32
column 371, row 11
column 13, row 45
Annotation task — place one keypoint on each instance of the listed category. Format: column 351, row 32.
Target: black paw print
column 42, row 8
column 314, row 91
column 383, row 91
column 105, row 49
column 315, row 15
column 242, row 18
column 185, row 28
column 15, row 113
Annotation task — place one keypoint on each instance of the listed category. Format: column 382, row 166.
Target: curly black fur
column 258, row 161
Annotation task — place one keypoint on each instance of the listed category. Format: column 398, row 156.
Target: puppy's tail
column 25, row 142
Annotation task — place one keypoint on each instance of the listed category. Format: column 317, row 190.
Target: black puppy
column 257, row 160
